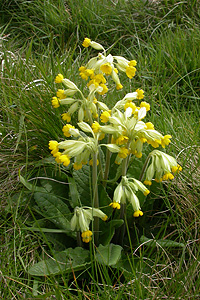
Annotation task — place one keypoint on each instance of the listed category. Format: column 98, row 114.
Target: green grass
column 36, row 44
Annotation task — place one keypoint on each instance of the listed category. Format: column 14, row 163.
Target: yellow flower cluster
column 106, row 65
column 124, row 124
column 126, row 191
column 161, row 168
column 82, row 218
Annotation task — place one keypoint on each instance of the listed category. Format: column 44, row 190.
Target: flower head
column 66, row 117
column 59, row 78
column 105, row 116
column 130, row 72
column 106, row 68
column 161, row 168
column 86, row 43
column 55, row 102
column 140, row 94
column 82, row 218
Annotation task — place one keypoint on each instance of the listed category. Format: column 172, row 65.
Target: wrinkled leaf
column 104, row 200
column 108, row 230
column 73, row 192
column 54, row 209
column 30, row 186
column 82, row 179
column 63, row 262
column 108, row 255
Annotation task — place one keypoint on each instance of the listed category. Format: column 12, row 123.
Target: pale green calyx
column 83, row 216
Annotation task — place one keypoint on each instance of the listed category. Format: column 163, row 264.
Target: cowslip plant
column 120, row 131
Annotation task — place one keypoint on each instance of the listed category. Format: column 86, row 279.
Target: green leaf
column 21, row 127
column 63, row 262
column 54, row 209
column 108, row 229
column 75, row 201
column 82, row 179
column 117, row 172
column 104, row 200
column 30, row 186
column 108, row 255
column 161, row 243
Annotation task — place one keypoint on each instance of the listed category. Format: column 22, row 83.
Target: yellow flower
column 83, row 75
column 96, row 127
column 119, row 86
column 60, row 94
column 116, row 70
column 143, row 140
column 65, row 160
column 167, row 176
column 146, row 192
column 55, row 102
column 130, row 104
column 99, row 78
column 140, row 94
column 105, row 218
column 123, row 153
column 66, row 117
column 146, row 105
column 166, row 140
column 90, row 73
column 66, row 129
column 106, row 68
column 57, row 157
column 115, row 205
column 59, row 78
column 147, row 182
column 105, row 117
column 93, row 81
column 138, row 154
column 132, row 63
column 149, row 125
column 155, row 143
column 82, row 69
column 86, row 236
column 138, row 213
column 53, row 145
column 77, row 166
column 177, row 168
column 130, row 72
column 158, row 180
column 91, row 162
column 86, row 42
column 121, row 140
column 105, row 89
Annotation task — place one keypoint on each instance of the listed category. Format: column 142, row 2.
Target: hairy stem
column 107, row 167
column 78, row 238
column 95, row 198
column 144, row 168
